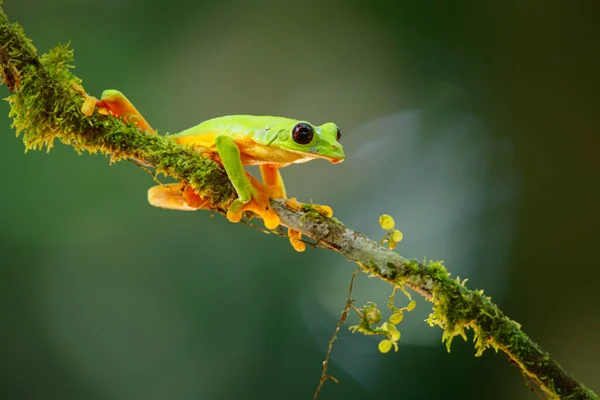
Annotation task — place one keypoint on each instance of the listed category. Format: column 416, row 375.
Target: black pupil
column 303, row 133
column 339, row 134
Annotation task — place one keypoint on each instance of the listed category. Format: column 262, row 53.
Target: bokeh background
column 474, row 124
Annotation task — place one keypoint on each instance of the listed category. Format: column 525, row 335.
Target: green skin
column 274, row 145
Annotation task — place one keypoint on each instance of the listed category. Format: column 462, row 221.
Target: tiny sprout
column 387, row 222
column 396, row 236
column 396, row 318
column 373, row 316
column 385, row 346
column 411, row 306
column 386, row 326
column 392, row 330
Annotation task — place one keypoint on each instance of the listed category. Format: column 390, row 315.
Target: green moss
column 337, row 222
column 393, row 272
column 46, row 107
column 456, row 309
column 437, row 270
column 580, row 393
column 413, row 267
column 372, row 267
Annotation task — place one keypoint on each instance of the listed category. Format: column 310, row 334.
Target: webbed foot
column 295, row 236
column 176, row 196
column 116, row 104
column 258, row 204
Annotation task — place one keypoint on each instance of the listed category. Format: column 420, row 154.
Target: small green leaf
column 396, row 318
column 386, row 326
column 396, row 236
column 387, row 222
column 411, row 306
column 385, row 346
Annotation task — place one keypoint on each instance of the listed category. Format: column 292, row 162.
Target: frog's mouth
column 305, row 156
column 313, row 156
column 333, row 160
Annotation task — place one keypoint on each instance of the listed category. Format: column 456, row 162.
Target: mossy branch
column 45, row 105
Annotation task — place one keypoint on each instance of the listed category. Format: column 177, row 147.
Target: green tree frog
column 235, row 141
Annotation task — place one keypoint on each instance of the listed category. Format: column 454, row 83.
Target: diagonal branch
column 45, row 105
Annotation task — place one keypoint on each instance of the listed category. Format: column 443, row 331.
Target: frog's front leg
column 116, row 104
column 272, row 179
column 250, row 196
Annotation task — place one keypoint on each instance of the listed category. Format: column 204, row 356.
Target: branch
column 46, row 99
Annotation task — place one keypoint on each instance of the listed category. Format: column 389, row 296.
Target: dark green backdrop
column 491, row 165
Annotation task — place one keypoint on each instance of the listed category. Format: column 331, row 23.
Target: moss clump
column 456, row 308
column 46, row 106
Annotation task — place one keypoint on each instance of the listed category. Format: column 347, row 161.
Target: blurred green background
column 474, row 123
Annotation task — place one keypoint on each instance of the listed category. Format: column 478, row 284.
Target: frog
column 236, row 141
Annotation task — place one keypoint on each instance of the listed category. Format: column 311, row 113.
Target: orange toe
column 234, row 215
column 323, row 210
column 89, row 106
column 296, row 240
column 259, row 205
column 296, row 205
column 193, row 199
column 293, row 203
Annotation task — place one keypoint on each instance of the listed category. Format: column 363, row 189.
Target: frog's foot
column 296, row 240
column 295, row 236
column 176, row 196
column 325, row 211
column 258, row 204
column 89, row 105
column 116, row 104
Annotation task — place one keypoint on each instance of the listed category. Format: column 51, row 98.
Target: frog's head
column 312, row 141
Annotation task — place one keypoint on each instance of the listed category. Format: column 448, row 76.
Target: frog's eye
column 339, row 134
column 303, row 133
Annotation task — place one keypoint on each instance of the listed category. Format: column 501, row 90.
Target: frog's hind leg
column 176, row 196
column 116, row 104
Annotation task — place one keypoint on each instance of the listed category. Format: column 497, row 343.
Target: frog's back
column 235, row 125
column 252, row 134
